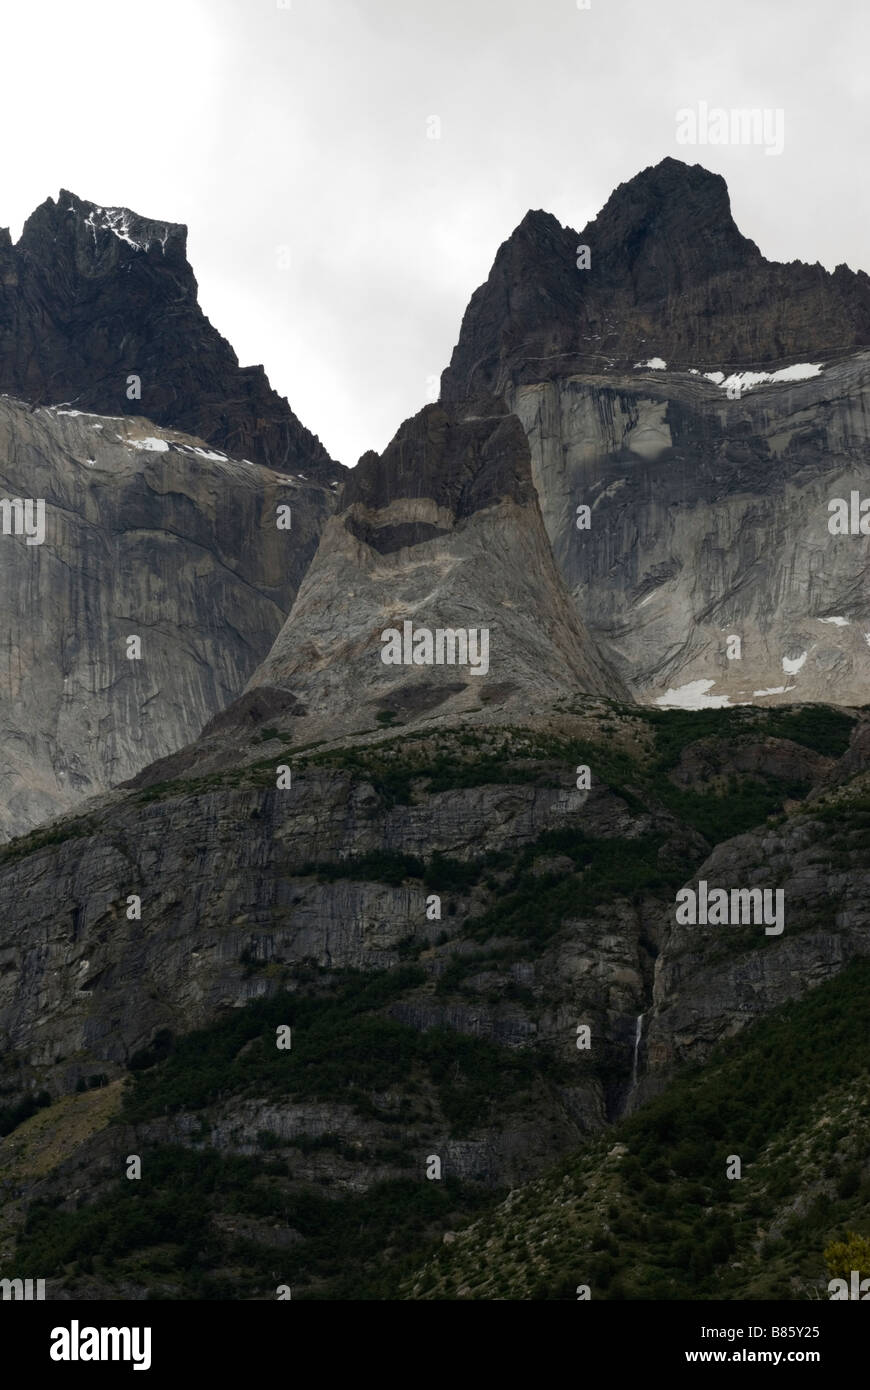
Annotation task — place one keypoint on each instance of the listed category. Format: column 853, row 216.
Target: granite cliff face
column 707, row 406
column 148, row 533
column 91, row 296
column 710, row 521
column 442, row 532
column 160, row 464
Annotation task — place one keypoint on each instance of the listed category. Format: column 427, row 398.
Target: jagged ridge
column 92, row 295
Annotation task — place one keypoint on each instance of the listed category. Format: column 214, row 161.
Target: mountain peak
column 668, row 274
column 669, row 225
column 443, row 527
column 127, row 226
column 94, row 229
column 119, row 288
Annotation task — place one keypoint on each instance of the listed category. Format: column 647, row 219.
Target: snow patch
column 775, row 690
column 837, row 622
column 693, row 696
column 154, row 446
column 118, row 222
column 88, row 414
column 657, row 363
column 744, row 381
column 791, row 665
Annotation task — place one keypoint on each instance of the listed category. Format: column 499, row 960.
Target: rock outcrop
column 92, row 297
column 442, row 533
column 148, row 533
column 710, row 521
column 708, row 406
column 669, row 275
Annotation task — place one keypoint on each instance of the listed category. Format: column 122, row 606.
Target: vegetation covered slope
column 312, row 1166
column 649, row 1211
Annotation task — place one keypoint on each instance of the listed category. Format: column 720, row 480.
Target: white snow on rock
column 774, row 690
column 657, row 363
column 693, row 696
column 117, row 221
column 205, row 453
column 155, row 446
column 744, row 381
column 791, row 666
column 88, row 414
column 838, row 622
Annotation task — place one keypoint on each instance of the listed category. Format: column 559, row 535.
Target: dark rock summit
column 90, row 296
column 706, row 404
column 670, row 275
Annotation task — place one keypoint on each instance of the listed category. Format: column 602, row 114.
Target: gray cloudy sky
column 306, row 128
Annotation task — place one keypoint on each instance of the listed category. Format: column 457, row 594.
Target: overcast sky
column 335, row 241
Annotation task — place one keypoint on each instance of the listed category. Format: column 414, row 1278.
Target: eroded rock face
column 710, row 520
column 708, row 494
column 706, row 990
column 148, row 533
column 443, row 532
column 220, row 875
column 91, row 295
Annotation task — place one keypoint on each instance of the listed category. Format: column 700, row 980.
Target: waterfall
column 638, row 1033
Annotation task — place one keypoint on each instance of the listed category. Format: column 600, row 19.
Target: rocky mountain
column 436, row 913
column 708, row 407
column 148, row 534
column 388, row 975
column 159, row 466
column 98, row 309
column 647, row 1210
column 668, row 275
column 440, row 534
